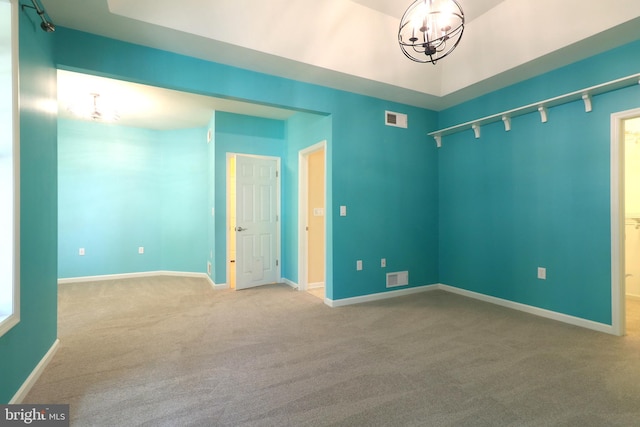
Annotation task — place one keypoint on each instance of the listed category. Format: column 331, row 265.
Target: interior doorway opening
column 312, row 219
column 625, row 222
column 631, row 136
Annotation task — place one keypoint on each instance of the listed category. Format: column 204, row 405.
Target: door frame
column 278, row 213
column 303, row 212
column 618, row 291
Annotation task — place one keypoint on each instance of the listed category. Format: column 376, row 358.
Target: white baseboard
column 565, row 318
column 35, row 374
column 554, row 315
column 315, row 285
column 214, row 285
column 294, row 285
column 379, row 296
column 633, row 296
column 132, row 276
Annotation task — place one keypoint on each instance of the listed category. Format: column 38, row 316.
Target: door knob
column 240, row 229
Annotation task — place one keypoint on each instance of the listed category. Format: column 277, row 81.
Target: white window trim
column 9, row 321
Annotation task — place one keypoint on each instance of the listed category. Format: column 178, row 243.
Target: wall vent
column 395, row 119
column 399, row 278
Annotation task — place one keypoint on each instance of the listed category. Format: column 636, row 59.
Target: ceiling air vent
column 395, row 119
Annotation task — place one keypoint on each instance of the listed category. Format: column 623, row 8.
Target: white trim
column 315, row 285
column 227, row 224
column 136, row 275
column 379, row 296
column 216, row 287
column 303, row 200
column 294, row 285
column 35, row 374
column 633, row 297
column 553, row 315
column 618, row 311
column 9, row 320
column 15, row 64
column 219, row 286
column 303, row 210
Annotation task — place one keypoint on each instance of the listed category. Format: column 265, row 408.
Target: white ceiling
column 352, row 44
column 149, row 107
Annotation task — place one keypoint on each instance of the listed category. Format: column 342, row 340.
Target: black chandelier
column 430, row 29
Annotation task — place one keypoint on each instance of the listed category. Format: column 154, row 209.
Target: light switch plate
column 542, row 273
column 343, row 211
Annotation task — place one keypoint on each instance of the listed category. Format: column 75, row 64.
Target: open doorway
column 625, row 222
column 312, row 219
column 631, row 129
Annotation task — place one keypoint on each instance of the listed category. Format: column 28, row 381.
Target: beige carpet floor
column 317, row 292
column 171, row 351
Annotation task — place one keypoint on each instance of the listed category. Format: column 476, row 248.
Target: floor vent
column 395, row 119
column 400, row 278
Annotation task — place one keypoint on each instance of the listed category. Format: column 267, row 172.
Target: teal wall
column 537, row 196
column 22, row 348
column 388, row 179
column 184, row 203
column 211, row 191
column 121, row 188
column 304, row 130
column 240, row 134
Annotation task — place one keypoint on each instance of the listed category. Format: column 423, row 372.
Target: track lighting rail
column 542, row 107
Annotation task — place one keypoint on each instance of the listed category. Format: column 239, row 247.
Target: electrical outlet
column 141, row 250
column 81, row 251
column 542, row 273
column 343, row 211
column 383, row 262
column 359, row 265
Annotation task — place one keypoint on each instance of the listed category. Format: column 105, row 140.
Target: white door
column 256, row 221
